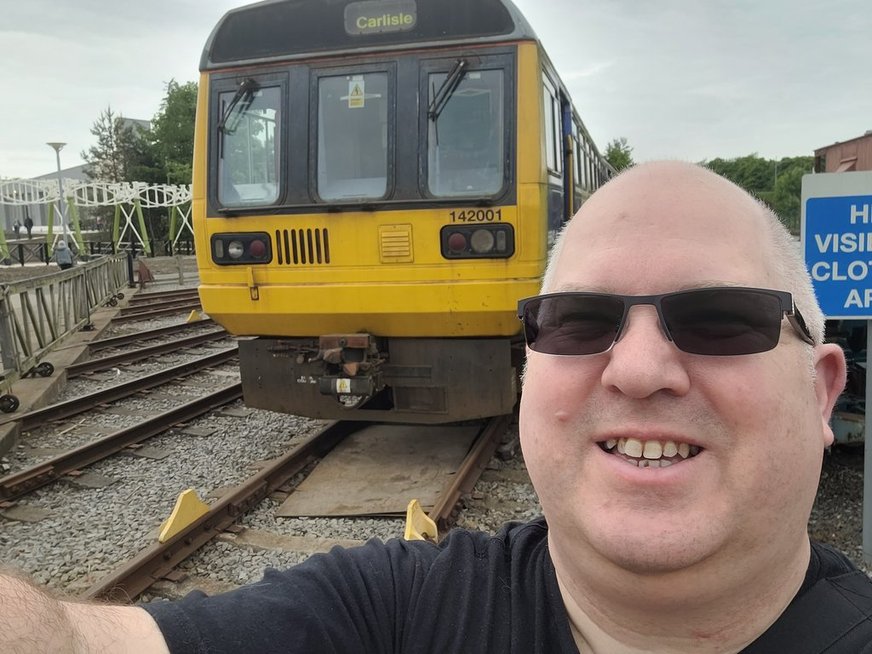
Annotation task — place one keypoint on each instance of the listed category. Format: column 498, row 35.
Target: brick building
column 854, row 154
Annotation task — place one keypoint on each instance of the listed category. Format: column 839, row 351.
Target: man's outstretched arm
column 31, row 620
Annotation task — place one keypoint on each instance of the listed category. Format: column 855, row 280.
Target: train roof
column 276, row 30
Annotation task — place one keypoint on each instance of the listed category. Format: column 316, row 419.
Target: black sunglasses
column 722, row 321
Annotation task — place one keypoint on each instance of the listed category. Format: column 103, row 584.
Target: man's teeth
column 650, row 454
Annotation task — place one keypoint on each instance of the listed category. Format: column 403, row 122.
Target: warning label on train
column 837, row 243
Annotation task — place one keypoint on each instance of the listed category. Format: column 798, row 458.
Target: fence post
column 181, row 270
column 21, row 253
column 131, row 282
column 8, row 348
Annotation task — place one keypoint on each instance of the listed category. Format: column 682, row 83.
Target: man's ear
column 830, row 370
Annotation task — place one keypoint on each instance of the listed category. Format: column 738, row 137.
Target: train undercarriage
column 364, row 377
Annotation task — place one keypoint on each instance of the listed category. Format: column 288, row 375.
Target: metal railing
column 36, row 314
column 38, row 251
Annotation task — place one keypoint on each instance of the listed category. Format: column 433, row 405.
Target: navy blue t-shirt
column 472, row 593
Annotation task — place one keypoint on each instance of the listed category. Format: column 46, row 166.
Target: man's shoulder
column 832, row 613
column 513, row 540
column 827, row 561
column 510, row 535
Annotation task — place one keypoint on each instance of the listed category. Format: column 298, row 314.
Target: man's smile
column 649, row 453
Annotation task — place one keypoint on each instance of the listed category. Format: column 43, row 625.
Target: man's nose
column 644, row 361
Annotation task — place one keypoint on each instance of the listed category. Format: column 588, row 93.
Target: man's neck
column 693, row 612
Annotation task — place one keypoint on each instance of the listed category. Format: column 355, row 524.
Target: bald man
column 674, row 417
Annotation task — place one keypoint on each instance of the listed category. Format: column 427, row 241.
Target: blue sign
column 837, row 237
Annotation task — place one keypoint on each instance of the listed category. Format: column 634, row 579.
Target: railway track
column 139, row 336
column 139, row 354
column 154, row 305
column 162, row 296
column 17, row 484
column 61, row 410
column 159, row 560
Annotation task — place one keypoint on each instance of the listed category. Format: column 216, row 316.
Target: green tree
column 619, row 153
column 778, row 183
column 172, row 131
column 751, row 172
column 118, row 149
column 122, row 153
column 786, row 197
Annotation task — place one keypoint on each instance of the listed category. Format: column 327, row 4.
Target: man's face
column 750, row 425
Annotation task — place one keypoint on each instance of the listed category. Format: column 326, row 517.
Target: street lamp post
column 57, row 146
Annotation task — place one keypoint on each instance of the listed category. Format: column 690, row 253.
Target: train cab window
column 466, row 134
column 249, row 145
column 353, row 136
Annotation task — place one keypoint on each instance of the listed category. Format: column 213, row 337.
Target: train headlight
column 494, row 241
column 482, row 241
column 235, row 249
column 241, row 248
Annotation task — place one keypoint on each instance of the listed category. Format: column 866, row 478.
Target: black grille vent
column 302, row 247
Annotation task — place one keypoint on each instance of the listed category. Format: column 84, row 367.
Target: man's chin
column 646, row 551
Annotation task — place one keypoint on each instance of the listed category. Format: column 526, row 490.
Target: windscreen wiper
column 244, row 95
column 446, row 90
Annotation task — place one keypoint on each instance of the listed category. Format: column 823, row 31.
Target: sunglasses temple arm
column 798, row 322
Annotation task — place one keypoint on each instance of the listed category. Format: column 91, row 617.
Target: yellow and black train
column 376, row 184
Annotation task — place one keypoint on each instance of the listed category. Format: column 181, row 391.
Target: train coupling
column 353, row 366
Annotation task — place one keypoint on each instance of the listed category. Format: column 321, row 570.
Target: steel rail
column 154, row 313
column 470, row 470
column 128, row 581
column 143, row 353
column 136, row 337
column 157, row 306
column 161, row 296
column 20, row 483
column 60, row 410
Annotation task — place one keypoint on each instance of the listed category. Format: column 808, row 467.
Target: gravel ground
column 837, row 516
column 87, row 532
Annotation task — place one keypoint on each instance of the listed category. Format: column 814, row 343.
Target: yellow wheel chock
column 419, row 526
column 188, row 509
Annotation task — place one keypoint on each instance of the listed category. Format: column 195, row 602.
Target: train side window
column 250, row 147
column 579, row 154
column 551, row 113
column 465, row 141
column 353, row 136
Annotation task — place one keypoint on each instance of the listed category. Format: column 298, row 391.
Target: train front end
column 369, row 210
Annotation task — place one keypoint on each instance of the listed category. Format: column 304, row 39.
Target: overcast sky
column 685, row 79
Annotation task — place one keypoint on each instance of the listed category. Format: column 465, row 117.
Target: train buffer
column 143, row 274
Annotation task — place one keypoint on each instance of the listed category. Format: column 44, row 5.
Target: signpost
column 837, row 244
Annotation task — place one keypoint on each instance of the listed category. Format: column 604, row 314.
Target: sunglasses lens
column 723, row 322
column 572, row 323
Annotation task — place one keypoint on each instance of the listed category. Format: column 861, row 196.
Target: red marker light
column 257, row 249
column 457, row 242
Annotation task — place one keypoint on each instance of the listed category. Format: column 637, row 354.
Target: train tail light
column 478, row 241
column 249, row 248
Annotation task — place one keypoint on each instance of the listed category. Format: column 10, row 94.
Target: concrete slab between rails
column 37, row 392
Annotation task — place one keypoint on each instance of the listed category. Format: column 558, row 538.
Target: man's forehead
column 570, row 286
column 677, row 219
